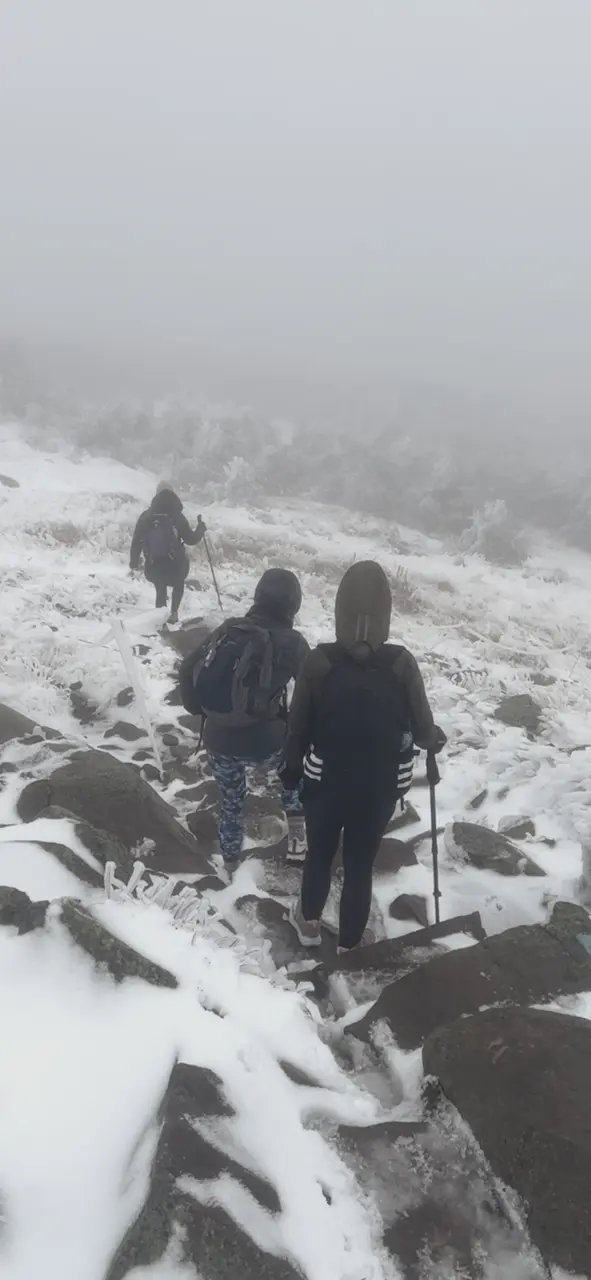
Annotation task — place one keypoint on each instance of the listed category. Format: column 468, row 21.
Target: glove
column 440, row 741
column 133, row 570
column 290, row 781
column 201, row 527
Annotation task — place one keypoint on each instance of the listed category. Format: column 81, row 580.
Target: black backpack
column 362, row 723
column 161, row 543
column 233, row 675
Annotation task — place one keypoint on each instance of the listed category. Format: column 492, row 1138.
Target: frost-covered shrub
column 493, row 534
column 405, row 597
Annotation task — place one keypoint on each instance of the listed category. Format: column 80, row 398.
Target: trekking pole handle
column 433, row 774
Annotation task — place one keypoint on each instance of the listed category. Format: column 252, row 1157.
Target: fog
column 396, row 188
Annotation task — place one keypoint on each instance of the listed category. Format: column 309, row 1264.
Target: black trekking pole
column 215, row 581
column 433, row 777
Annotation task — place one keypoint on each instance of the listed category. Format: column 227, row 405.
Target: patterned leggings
column 230, row 775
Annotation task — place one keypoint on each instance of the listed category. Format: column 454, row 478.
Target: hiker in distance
column 358, row 708
column 161, row 534
column 237, row 679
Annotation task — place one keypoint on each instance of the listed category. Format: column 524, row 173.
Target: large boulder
column 114, row 798
column 488, row 850
column 522, row 966
column 206, row 1236
column 520, row 1078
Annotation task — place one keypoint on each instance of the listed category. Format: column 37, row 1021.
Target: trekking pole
column 215, row 582
column 433, row 777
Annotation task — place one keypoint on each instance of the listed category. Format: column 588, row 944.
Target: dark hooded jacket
column 165, row 503
column 277, row 600
column 363, row 612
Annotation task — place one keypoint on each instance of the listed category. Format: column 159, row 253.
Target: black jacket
column 362, row 623
column 165, row 503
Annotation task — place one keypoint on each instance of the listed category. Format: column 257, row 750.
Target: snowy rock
column 110, row 953
column 478, row 800
column 111, row 796
column 441, row 1210
column 517, row 828
column 101, row 844
column 410, row 906
column 187, row 1156
column 125, row 697
column 83, row 708
column 125, row 730
column 18, row 912
column 522, row 966
column 76, row 865
column 520, row 711
column 396, row 956
column 9, row 483
column 521, row 1081
column 488, row 850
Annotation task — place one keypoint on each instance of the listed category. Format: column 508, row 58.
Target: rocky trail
column 185, row 1092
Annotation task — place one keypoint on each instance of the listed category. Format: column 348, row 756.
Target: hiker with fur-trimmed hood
column 359, row 706
column 237, row 680
column 160, row 536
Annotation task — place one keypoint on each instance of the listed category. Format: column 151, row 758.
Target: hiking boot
column 173, row 619
column 308, row 931
column 368, row 940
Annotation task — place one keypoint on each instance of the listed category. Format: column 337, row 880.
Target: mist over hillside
column 447, row 461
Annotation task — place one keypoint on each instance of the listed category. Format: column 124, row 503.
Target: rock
column 125, row 697
column 410, row 906
column 204, row 1234
column 517, row 828
column 13, row 724
column 187, row 637
column 488, row 850
column 193, row 584
column 520, row 1078
column 17, row 911
column 393, row 956
column 83, row 708
column 522, row 966
column 108, row 951
column 478, row 800
column 205, row 794
column 192, row 723
column 125, row 730
column 9, row 483
column 392, row 856
column 170, row 740
column 74, row 864
column 203, row 824
column 542, row 679
column 103, row 846
column 520, row 711
column 403, row 818
column 111, row 796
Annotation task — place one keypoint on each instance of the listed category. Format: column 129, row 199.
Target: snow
column 85, row 1063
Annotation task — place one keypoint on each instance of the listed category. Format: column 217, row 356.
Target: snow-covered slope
column 85, row 1063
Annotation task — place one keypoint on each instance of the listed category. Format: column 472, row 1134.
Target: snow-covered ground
column 81, row 1067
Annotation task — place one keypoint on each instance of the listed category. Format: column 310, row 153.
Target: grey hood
column 363, row 607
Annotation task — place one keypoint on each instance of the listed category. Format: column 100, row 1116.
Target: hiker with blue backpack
column 160, row 536
column 358, row 710
column 237, row 681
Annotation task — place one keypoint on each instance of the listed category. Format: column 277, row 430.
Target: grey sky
column 359, row 185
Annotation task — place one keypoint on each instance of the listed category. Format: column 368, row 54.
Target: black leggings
column 162, row 579
column 362, row 815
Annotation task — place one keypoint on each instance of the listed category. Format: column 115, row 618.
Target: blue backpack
column 161, row 544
